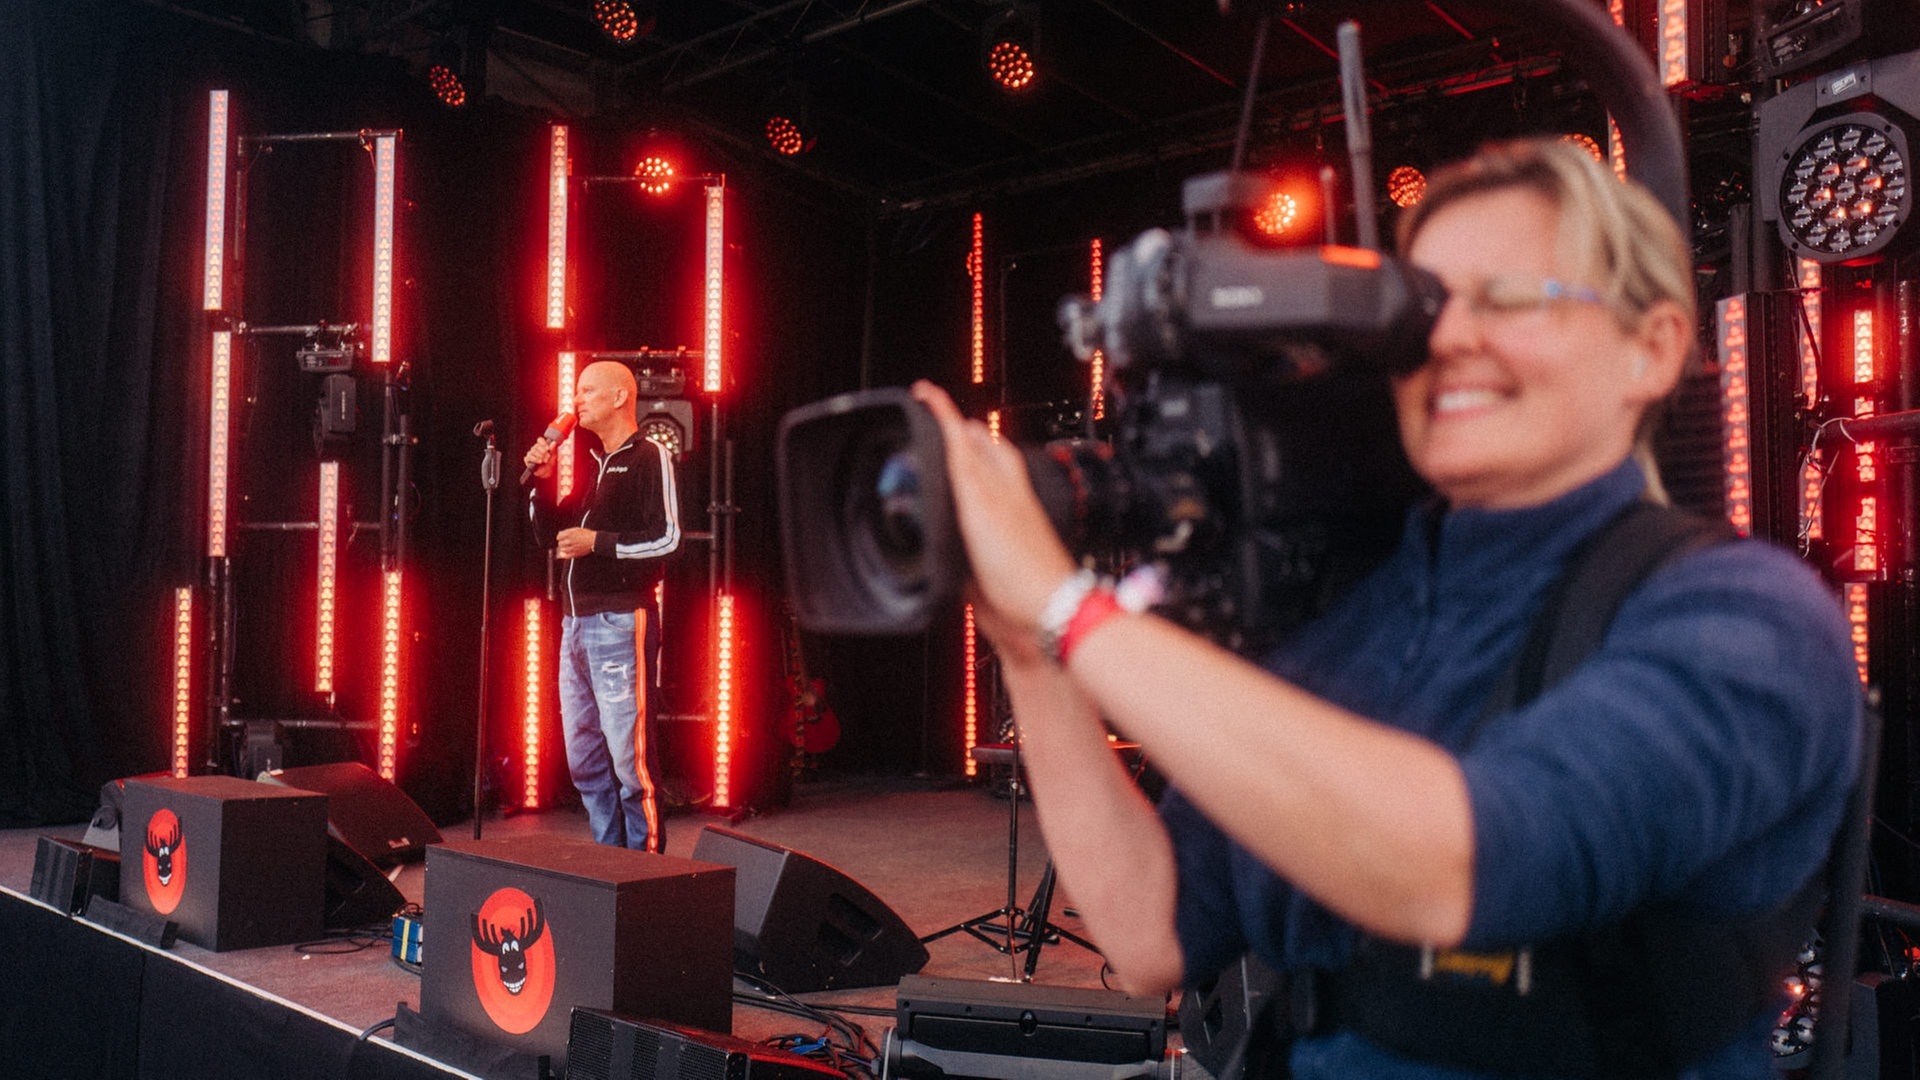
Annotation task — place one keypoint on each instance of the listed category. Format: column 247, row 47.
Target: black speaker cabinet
column 605, row 1046
column 1217, row 1015
column 365, row 812
column 69, row 873
column 520, row 930
column 803, row 925
column 236, row 863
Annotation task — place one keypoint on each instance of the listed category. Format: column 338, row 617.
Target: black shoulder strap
column 1601, row 574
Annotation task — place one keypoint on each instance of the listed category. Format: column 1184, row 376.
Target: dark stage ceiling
column 897, row 105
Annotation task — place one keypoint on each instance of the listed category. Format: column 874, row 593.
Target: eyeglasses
column 1497, row 296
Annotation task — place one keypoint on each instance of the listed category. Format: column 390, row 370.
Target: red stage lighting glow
column 328, row 576
column 557, row 227
column 1406, row 186
column 385, row 177
column 389, row 733
column 1587, row 143
column 723, row 700
column 977, row 270
column 1735, row 419
column 1097, row 396
column 219, row 409
column 713, row 295
column 182, row 676
column 563, row 454
column 784, row 136
column 446, row 86
column 530, row 713
column 216, row 260
column 655, row 173
column 1011, row 65
column 1866, row 455
column 617, row 20
column 1276, row 214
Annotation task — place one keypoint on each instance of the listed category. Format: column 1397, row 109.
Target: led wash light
column 385, row 169
column 212, row 295
column 1846, row 191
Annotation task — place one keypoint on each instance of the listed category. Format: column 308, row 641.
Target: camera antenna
column 1353, row 100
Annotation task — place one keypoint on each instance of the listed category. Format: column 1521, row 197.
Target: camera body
column 1254, row 464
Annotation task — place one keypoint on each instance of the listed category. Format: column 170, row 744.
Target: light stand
column 490, row 480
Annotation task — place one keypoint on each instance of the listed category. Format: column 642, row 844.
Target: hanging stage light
column 1406, row 186
column 618, row 20
column 785, row 136
column 655, row 173
column 447, row 86
column 1845, row 192
column 1009, row 42
column 1834, row 158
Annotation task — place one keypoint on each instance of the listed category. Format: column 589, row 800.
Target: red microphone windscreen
column 561, row 427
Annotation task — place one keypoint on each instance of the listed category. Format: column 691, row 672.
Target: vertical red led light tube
column 977, row 270
column 563, row 454
column 723, row 643
column 1730, row 331
column 530, row 712
column 1857, row 624
column 557, row 227
column 215, row 261
column 182, row 677
column 1807, row 332
column 1097, row 377
column 1616, row 148
column 390, row 632
column 328, row 576
column 1866, row 455
column 710, row 342
column 219, row 412
column 385, row 178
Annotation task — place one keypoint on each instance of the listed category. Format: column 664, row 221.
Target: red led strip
column 1735, row 417
column 212, row 297
column 1098, row 376
column 182, row 676
column 716, row 252
column 1857, row 623
column 385, row 170
column 530, row 713
column 723, row 701
column 389, row 674
column 1808, row 335
column 219, row 409
column 977, row 270
column 557, row 227
column 328, row 576
column 563, row 454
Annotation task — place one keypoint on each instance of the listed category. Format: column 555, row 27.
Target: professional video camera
column 1255, row 463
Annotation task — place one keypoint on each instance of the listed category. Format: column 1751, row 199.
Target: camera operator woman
column 1343, row 810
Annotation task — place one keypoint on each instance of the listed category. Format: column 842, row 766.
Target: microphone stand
column 490, row 480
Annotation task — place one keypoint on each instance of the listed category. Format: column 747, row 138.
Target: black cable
column 368, row 1034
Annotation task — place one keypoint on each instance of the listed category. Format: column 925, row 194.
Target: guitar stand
column 1014, row 930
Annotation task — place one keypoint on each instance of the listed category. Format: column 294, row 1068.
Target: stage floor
column 936, row 854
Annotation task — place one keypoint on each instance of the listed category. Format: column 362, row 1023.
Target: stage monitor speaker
column 238, row 864
column 525, row 928
column 104, row 830
column 1020, row 1031
column 358, row 892
column 802, row 925
column 605, row 1046
column 366, row 812
column 67, row 873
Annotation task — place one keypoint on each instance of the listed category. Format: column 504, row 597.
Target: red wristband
column 1095, row 608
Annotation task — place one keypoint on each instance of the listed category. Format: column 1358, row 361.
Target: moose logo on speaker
column 163, row 861
column 513, row 960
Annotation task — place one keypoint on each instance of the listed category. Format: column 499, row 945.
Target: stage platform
column 86, row 1002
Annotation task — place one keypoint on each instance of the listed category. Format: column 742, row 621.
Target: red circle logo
column 513, row 971
column 163, row 861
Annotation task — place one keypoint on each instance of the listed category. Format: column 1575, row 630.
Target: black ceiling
column 900, row 110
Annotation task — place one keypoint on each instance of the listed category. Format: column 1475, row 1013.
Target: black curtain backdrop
column 103, row 348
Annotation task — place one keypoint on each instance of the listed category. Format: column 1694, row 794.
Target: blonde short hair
column 1614, row 233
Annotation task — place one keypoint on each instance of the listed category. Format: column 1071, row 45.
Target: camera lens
column 897, row 489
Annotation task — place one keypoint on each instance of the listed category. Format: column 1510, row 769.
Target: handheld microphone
column 557, row 431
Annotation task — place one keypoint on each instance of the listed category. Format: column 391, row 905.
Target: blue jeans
column 607, row 715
